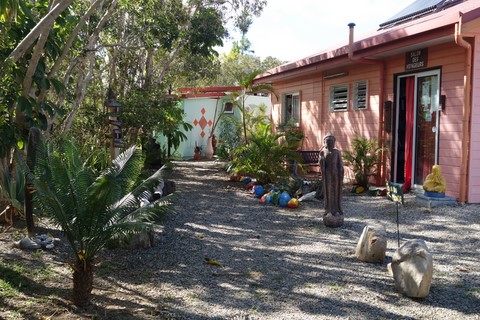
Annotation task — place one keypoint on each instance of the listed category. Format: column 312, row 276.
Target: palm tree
column 93, row 209
column 249, row 87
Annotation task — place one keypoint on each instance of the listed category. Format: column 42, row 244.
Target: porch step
column 434, row 201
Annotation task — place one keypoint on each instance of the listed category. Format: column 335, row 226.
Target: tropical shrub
column 230, row 137
column 363, row 158
column 12, row 189
column 264, row 157
column 93, row 208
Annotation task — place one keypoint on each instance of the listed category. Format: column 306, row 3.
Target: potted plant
column 363, row 159
column 197, row 153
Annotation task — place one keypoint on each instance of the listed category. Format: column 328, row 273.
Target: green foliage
column 238, row 64
column 363, row 158
column 264, row 157
column 230, row 137
column 12, row 188
column 256, row 118
column 93, row 209
column 294, row 137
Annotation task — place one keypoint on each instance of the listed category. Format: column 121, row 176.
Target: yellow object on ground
column 213, row 262
column 435, row 181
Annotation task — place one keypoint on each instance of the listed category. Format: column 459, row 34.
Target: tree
column 97, row 208
column 238, row 64
column 249, row 88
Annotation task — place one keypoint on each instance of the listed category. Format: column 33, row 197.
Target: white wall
column 193, row 114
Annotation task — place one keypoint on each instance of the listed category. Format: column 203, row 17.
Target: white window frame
column 295, row 112
column 338, row 100
column 225, row 109
column 360, row 99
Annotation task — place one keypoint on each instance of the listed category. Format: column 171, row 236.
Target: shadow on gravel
column 276, row 261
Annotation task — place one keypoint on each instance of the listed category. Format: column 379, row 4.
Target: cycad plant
column 363, row 158
column 93, row 209
column 265, row 157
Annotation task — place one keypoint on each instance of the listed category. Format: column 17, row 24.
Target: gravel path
column 280, row 263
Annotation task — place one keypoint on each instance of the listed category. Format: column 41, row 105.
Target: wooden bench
column 308, row 159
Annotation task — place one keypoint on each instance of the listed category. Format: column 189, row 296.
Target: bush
column 363, row 158
column 264, row 158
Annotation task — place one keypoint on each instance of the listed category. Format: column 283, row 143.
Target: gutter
column 381, row 64
column 467, row 108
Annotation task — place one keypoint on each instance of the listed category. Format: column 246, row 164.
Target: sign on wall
column 416, row 59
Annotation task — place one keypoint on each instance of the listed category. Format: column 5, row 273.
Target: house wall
column 316, row 118
column 474, row 169
column 196, row 108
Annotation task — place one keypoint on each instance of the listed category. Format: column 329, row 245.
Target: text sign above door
column 416, row 59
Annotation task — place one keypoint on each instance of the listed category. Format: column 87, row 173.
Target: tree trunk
column 28, row 41
column 36, row 55
column 149, row 68
column 74, row 35
column 82, row 283
column 82, row 82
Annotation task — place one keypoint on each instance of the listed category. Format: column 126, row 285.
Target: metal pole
column 398, row 229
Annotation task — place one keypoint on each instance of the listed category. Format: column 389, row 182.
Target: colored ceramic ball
column 268, row 199
column 285, row 196
column 283, row 199
column 246, row 180
column 249, row 186
column 293, row 203
column 259, row 191
column 263, row 198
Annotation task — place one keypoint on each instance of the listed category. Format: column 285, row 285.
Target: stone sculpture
column 331, row 166
column 412, row 268
column 372, row 244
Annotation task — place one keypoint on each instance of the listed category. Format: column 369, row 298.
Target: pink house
column 414, row 85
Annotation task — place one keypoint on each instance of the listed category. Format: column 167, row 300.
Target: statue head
column 436, row 169
column 329, row 141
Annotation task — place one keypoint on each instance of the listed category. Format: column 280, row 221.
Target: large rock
column 412, row 268
column 372, row 244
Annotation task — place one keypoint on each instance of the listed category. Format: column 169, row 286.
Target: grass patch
column 12, row 279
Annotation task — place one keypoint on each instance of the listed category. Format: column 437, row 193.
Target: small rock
column 29, row 244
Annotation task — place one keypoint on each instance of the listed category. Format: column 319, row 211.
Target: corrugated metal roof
column 418, row 9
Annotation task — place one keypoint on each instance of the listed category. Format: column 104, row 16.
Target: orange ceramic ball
column 263, row 198
column 293, row 203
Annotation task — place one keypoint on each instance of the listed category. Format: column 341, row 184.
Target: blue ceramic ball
column 247, row 180
column 283, row 199
column 259, row 191
column 268, row 199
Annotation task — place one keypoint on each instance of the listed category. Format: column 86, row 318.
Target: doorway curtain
column 409, row 117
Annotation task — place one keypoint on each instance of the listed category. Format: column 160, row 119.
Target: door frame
column 422, row 73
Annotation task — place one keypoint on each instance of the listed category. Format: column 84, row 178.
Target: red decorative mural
column 202, row 122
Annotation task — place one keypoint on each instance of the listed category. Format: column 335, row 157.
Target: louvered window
column 360, row 95
column 339, row 97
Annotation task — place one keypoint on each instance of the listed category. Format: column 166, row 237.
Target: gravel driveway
column 280, row 263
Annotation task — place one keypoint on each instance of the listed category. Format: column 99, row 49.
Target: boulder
column 372, row 244
column 412, row 268
column 29, row 244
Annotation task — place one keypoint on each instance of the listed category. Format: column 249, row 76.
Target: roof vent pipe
column 351, row 25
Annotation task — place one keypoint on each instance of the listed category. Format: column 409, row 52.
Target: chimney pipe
column 351, row 25
column 381, row 135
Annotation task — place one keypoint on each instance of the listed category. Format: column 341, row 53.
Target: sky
column 294, row 29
